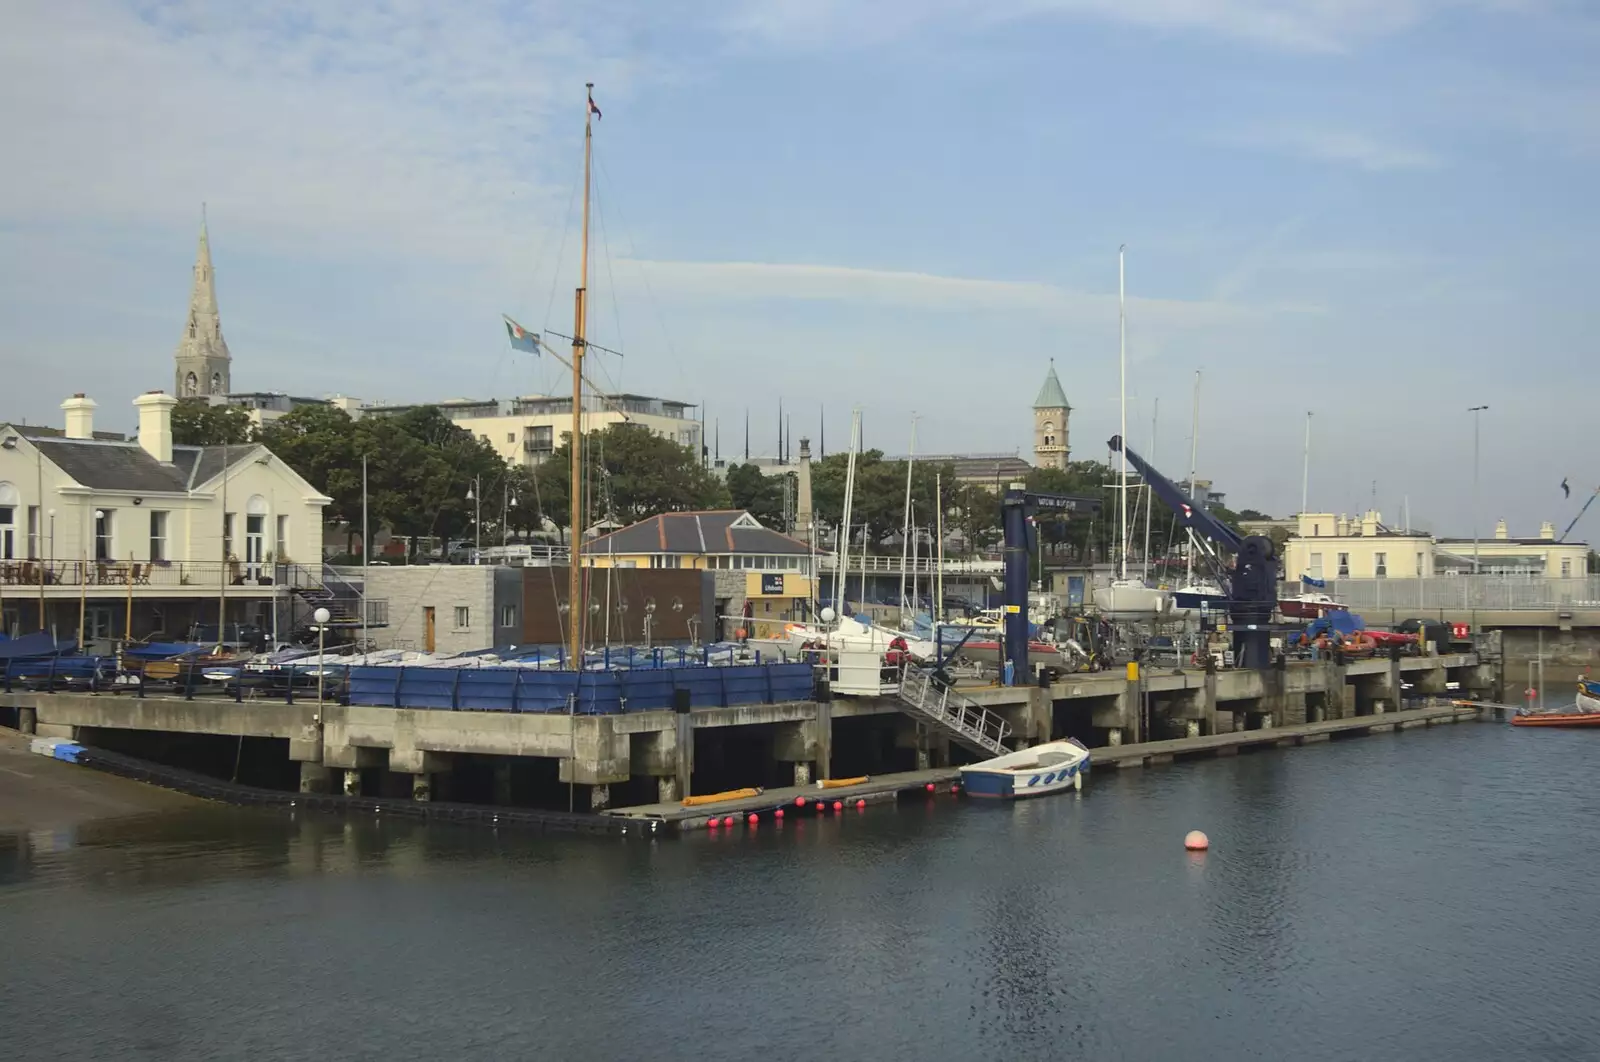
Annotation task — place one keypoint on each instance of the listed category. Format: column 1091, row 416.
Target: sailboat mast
column 1149, row 495
column 1122, row 367
column 580, row 316
column 1194, row 457
column 905, row 538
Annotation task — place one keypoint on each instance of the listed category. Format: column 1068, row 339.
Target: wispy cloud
column 1295, row 25
column 1341, row 147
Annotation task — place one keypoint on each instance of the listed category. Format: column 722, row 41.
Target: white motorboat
column 1131, row 599
column 1048, row 768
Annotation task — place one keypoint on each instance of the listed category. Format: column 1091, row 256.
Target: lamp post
column 1475, row 410
column 508, row 501
column 475, row 495
column 322, row 616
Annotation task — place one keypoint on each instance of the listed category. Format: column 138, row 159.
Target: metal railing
column 962, row 719
column 1467, row 592
column 922, row 565
column 143, row 575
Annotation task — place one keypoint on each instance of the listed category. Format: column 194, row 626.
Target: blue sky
column 1376, row 209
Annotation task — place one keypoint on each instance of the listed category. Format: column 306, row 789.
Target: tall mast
column 1149, row 497
column 1122, row 367
column 905, row 538
column 580, row 316
column 1194, row 457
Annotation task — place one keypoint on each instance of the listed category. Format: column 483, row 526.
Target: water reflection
column 1335, row 917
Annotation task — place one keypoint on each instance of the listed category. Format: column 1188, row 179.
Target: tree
column 630, row 474
column 758, row 494
column 196, row 422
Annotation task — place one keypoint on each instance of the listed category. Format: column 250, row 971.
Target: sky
column 1378, row 211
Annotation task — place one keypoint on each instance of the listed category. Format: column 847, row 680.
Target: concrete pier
column 636, row 756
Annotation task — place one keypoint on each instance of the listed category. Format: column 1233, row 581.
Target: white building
column 93, row 529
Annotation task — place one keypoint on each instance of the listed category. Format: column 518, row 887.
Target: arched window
column 191, row 385
column 216, row 383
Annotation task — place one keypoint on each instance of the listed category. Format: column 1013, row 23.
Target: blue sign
column 772, row 585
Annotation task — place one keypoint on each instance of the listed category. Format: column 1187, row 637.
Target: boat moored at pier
column 1037, row 771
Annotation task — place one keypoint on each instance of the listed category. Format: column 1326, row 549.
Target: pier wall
column 665, row 754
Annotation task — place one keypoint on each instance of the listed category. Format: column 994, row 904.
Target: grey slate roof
column 720, row 531
column 1051, row 396
column 101, row 464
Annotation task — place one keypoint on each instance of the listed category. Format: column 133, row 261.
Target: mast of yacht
column 1122, row 367
column 1194, row 456
column 905, row 535
column 580, row 316
column 843, row 568
column 1149, row 497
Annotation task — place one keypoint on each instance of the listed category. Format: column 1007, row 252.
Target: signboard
column 1461, row 632
column 772, row 585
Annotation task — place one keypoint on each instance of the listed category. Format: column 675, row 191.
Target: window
column 511, row 436
column 158, row 535
column 280, row 545
column 35, row 533
column 463, row 618
column 508, row 615
column 97, row 624
column 1420, row 572
column 1380, row 565
column 667, row 561
column 1344, row 565
column 8, row 532
column 104, row 548
column 538, row 439
column 1316, row 566
column 1566, row 569
column 227, row 535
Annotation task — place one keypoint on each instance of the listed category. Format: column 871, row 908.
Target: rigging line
column 611, row 280
column 655, row 305
column 586, row 344
column 561, row 254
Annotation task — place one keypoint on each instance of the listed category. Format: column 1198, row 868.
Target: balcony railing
column 1466, row 592
column 922, row 565
column 144, row 575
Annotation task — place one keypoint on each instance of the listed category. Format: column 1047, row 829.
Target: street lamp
column 508, row 501
column 475, row 495
column 1475, row 410
column 322, row 616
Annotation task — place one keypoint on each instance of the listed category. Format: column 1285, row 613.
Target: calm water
column 1416, row 896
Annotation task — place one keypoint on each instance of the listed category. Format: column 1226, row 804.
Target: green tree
column 760, row 495
column 630, row 474
column 196, row 422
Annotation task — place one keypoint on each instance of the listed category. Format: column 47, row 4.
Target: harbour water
column 1418, row 896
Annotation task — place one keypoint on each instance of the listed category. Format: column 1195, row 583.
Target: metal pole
column 1475, row 410
column 1122, row 368
column 938, row 506
column 366, row 549
column 905, row 541
column 1305, row 474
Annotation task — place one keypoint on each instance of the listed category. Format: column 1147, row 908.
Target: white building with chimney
column 102, row 533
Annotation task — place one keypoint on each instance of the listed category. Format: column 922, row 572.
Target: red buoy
column 778, row 814
column 955, row 787
column 753, row 819
column 861, row 805
column 799, row 801
column 711, row 824
column 728, row 821
column 930, row 787
column 818, row 806
column 838, row 805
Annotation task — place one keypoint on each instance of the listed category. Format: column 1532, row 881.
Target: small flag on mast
column 1566, row 491
column 594, row 109
column 521, row 338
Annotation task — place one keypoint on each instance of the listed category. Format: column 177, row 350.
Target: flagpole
column 580, row 308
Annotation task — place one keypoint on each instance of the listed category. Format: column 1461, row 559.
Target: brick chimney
column 79, row 412
column 155, row 424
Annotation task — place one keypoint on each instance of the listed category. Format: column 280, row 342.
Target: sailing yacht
column 1126, row 598
column 1201, row 594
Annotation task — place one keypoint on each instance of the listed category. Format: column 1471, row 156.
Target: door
column 427, row 628
column 255, row 544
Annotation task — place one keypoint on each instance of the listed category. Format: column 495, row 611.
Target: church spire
column 202, row 359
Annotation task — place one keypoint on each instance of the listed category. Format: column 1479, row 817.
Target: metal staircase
column 331, row 591
column 959, row 718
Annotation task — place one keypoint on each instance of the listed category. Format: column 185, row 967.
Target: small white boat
column 1131, row 599
column 1047, row 768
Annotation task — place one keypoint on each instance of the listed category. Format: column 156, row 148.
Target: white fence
column 1485, row 592
column 921, row 566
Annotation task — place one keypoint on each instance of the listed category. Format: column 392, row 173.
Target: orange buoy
column 1195, row 841
column 740, row 634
